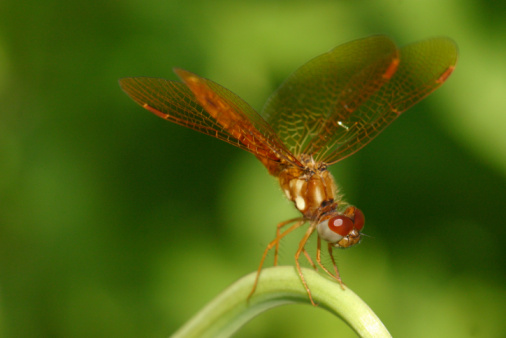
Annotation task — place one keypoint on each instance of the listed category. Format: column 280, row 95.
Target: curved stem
column 278, row 286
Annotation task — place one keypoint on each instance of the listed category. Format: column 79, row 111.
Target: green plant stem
column 278, row 286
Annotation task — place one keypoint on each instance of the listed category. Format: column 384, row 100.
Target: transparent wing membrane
column 336, row 103
column 209, row 108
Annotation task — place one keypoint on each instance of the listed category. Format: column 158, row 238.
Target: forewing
column 216, row 112
column 298, row 110
column 422, row 68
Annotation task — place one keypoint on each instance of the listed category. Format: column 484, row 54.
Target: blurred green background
column 114, row 222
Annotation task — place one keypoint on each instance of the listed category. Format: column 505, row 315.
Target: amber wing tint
column 336, row 103
column 209, row 108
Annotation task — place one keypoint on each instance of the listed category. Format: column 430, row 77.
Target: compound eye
column 341, row 225
column 359, row 219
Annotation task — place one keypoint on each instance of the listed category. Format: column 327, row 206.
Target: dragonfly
column 328, row 109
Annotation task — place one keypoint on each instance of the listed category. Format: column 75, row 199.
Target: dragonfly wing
column 307, row 99
column 209, row 108
column 422, row 68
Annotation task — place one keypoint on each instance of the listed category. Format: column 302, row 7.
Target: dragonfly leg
column 309, row 259
column 272, row 244
column 318, row 259
column 301, row 249
column 337, row 275
column 278, row 233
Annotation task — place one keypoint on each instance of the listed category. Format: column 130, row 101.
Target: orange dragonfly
column 325, row 111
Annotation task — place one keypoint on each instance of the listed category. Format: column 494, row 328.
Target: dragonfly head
column 342, row 230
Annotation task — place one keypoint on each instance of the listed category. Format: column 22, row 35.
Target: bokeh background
column 116, row 223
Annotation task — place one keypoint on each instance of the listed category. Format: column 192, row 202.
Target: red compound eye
column 359, row 219
column 341, row 225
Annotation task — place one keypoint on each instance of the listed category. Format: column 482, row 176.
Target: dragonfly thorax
column 312, row 189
